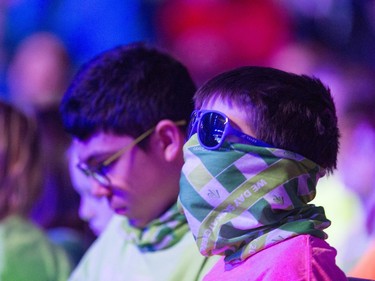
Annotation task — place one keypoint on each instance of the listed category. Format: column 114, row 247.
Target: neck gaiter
column 241, row 199
column 160, row 233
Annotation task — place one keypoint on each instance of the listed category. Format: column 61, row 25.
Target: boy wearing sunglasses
column 127, row 110
column 257, row 144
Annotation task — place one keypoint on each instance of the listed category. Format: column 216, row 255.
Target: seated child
column 258, row 142
column 26, row 253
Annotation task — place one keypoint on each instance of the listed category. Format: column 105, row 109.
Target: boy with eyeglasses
column 257, row 144
column 127, row 110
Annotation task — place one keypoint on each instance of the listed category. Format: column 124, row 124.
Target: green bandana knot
column 161, row 233
column 244, row 198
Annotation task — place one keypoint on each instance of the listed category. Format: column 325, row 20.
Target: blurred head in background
column 95, row 210
column 19, row 162
column 39, row 72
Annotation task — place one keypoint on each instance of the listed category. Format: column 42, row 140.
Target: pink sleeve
column 302, row 258
column 323, row 264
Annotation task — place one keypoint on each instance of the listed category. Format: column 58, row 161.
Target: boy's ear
column 171, row 139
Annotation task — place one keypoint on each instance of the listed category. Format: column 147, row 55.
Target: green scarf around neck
column 241, row 199
column 160, row 233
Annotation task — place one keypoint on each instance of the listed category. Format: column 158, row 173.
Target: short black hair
column 289, row 111
column 126, row 91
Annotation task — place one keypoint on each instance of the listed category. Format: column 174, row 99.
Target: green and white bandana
column 241, row 199
column 159, row 234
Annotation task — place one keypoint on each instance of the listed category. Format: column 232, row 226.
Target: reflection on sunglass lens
column 192, row 123
column 211, row 129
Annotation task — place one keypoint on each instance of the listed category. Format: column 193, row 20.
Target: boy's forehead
column 99, row 144
column 226, row 107
column 216, row 100
column 235, row 113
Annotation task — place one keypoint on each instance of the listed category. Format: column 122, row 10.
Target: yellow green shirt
column 114, row 257
column 27, row 254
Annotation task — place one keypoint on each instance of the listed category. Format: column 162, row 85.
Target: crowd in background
column 43, row 42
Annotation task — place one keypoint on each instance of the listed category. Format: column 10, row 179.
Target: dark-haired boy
column 127, row 110
column 258, row 143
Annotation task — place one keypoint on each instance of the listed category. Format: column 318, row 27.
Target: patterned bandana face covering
column 242, row 199
column 161, row 233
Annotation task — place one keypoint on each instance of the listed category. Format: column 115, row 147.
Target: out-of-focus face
column 94, row 210
column 142, row 185
column 38, row 74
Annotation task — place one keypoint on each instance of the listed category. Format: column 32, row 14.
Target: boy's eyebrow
column 96, row 156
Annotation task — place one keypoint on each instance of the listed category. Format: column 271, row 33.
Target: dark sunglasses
column 213, row 127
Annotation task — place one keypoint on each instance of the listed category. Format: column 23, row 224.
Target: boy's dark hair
column 289, row 111
column 126, row 91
